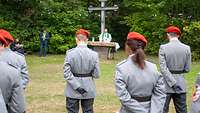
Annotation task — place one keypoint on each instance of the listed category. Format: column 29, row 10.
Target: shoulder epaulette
column 69, row 50
column 19, row 53
column 122, row 62
column 12, row 65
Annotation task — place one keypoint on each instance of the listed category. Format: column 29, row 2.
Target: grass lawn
column 45, row 93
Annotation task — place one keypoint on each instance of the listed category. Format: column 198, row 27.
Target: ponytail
column 139, row 58
column 137, row 47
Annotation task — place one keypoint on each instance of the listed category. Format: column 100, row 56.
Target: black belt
column 177, row 71
column 82, row 75
column 142, row 99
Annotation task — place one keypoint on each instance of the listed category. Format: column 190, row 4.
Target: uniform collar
column 7, row 49
column 173, row 39
column 82, row 44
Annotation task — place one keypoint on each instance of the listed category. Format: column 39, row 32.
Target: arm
column 158, row 97
column 24, row 73
column 124, row 96
column 188, row 61
column 96, row 71
column 171, row 81
column 17, row 100
column 68, row 75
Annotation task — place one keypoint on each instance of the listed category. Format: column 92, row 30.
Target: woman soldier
column 139, row 86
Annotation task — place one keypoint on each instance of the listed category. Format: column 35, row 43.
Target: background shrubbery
column 25, row 18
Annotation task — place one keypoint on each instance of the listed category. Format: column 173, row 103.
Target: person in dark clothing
column 44, row 38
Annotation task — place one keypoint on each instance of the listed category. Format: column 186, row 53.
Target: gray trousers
column 179, row 102
column 72, row 105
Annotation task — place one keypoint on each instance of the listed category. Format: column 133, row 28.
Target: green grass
column 45, row 93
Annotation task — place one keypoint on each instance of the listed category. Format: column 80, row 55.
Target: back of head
column 137, row 42
column 7, row 36
column 82, row 35
column 173, row 35
column 173, row 31
column 2, row 41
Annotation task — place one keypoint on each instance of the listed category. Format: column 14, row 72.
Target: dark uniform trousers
column 73, row 105
column 179, row 102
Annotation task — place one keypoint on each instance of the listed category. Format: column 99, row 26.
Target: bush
column 191, row 36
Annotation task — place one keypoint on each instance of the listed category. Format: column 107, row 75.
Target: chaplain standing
column 81, row 66
column 105, row 36
column 175, row 60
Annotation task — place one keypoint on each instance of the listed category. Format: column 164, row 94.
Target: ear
column 128, row 50
column 168, row 36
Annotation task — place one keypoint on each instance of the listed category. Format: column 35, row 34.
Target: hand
column 81, row 90
column 177, row 88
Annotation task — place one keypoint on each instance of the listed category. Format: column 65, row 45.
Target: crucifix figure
column 103, row 9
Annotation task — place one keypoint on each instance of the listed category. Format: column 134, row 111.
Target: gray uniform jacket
column 11, row 88
column 3, row 108
column 195, row 105
column 18, row 60
column 174, row 56
column 131, row 81
column 81, row 60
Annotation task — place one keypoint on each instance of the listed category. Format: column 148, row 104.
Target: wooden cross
column 103, row 9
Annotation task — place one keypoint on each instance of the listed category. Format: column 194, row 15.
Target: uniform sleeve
column 158, row 97
column 188, row 61
column 96, row 71
column 171, row 81
column 124, row 96
column 17, row 100
column 68, row 75
column 24, row 73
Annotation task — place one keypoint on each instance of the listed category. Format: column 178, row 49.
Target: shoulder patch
column 122, row 62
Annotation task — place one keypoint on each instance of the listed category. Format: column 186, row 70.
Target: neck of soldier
column 8, row 47
column 1, row 48
column 81, row 43
column 172, row 38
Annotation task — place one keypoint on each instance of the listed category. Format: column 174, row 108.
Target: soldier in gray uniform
column 14, row 58
column 175, row 60
column 10, row 87
column 195, row 105
column 81, row 66
column 139, row 85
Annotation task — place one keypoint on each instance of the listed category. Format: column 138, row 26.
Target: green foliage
column 61, row 18
column 191, row 37
column 151, row 17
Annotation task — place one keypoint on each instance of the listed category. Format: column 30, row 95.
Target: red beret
column 3, row 41
column 6, row 35
column 137, row 36
column 83, row 32
column 173, row 29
